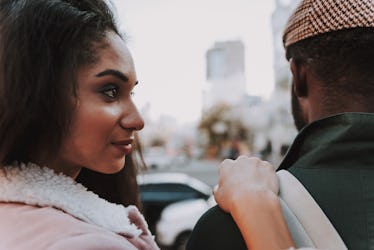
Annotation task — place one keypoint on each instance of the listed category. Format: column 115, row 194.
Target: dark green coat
column 334, row 159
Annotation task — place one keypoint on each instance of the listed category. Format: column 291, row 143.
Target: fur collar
column 37, row 186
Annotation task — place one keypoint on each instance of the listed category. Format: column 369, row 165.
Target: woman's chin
column 113, row 168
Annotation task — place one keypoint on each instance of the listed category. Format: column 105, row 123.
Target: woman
column 65, row 104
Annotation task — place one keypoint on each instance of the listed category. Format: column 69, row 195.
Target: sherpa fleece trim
column 37, row 186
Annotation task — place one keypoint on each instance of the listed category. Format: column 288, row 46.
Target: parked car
column 177, row 221
column 158, row 190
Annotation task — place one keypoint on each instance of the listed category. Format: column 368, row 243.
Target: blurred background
column 213, row 84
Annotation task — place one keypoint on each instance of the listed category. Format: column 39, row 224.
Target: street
column 206, row 171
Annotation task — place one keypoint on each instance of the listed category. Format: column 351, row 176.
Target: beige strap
column 295, row 199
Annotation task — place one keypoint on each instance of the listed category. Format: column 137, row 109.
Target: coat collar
column 37, row 186
column 345, row 137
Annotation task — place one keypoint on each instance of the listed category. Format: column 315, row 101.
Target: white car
column 159, row 190
column 178, row 219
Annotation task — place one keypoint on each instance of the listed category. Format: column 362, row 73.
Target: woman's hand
column 248, row 189
column 244, row 178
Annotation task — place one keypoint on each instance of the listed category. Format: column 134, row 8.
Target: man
column 330, row 47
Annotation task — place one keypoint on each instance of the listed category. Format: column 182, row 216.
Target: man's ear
column 299, row 78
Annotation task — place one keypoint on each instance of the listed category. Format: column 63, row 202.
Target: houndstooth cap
column 314, row 17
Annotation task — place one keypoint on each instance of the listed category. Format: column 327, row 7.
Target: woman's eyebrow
column 115, row 73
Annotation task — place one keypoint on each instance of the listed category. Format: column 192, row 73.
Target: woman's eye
column 110, row 91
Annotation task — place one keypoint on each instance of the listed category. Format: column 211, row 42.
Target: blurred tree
column 158, row 142
column 219, row 125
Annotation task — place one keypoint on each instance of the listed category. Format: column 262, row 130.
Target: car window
column 168, row 192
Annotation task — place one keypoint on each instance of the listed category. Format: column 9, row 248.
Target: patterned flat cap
column 314, row 17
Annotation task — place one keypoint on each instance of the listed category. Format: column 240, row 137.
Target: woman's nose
column 132, row 119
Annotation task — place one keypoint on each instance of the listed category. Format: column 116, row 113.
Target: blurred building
column 226, row 104
column 269, row 123
column 280, row 16
column 226, row 81
column 281, row 126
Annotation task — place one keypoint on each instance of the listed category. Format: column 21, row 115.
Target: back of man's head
column 335, row 40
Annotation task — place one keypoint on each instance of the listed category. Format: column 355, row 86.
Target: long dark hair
column 42, row 44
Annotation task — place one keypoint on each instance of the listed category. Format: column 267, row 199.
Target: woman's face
column 105, row 117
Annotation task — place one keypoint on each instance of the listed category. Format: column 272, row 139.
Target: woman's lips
column 123, row 145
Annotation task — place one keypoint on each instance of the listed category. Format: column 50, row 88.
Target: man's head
column 330, row 45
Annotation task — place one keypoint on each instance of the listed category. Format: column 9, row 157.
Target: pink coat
column 41, row 210
column 29, row 227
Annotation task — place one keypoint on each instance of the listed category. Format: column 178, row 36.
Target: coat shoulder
column 216, row 229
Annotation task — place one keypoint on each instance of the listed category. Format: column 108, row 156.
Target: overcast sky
column 169, row 38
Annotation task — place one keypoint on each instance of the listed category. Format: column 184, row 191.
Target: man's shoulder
column 216, row 230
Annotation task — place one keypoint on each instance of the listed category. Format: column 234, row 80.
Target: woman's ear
column 298, row 71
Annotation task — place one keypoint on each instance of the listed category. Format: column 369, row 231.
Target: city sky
column 169, row 39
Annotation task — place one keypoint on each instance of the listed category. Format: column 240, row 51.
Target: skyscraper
column 225, row 75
